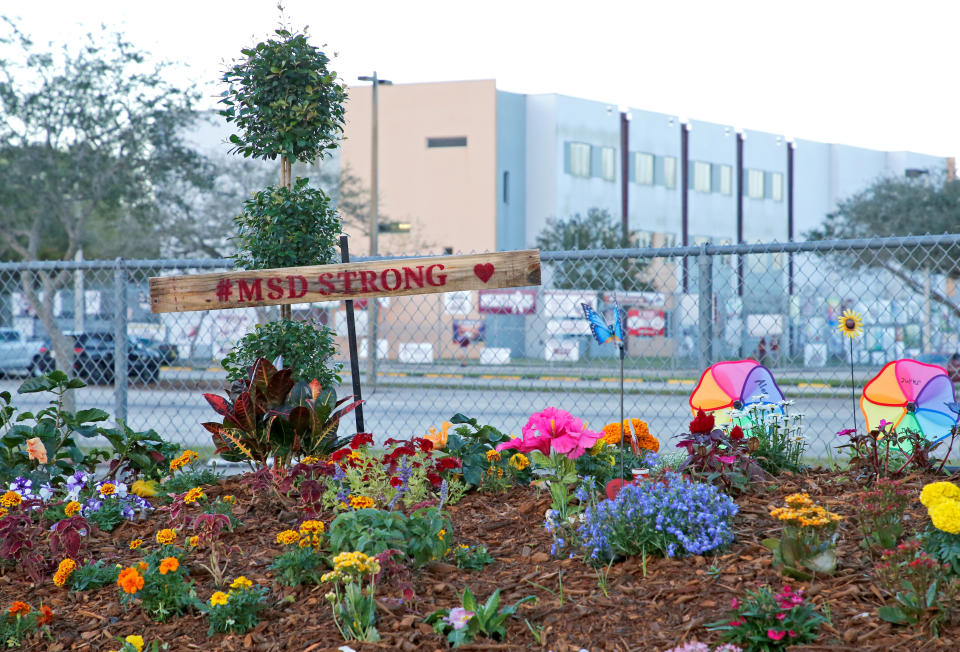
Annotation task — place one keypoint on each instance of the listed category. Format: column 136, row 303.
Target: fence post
column 120, row 341
column 705, row 304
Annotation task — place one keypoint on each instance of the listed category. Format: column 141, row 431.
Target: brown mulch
column 670, row 605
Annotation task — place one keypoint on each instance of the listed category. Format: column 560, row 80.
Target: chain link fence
column 500, row 355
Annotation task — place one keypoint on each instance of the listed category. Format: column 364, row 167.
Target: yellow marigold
column 519, row 461
column 73, row 508
column 108, row 489
column 135, row 641
column 945, row 515
column 193, row 495
column 10, row 499
column 361, row 502
column 3, row 512
column 493, row 455
column 136, row 543
column 219, row 598
column 287, row 537
column 166, row 535
column 241, row 583
column 314, row 527
column 194, row 541
column 229, row 499
column 130, row 580
column 937, row 491
column 169, row 565
column 310, row 459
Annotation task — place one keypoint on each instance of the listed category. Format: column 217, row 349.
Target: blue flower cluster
column 676, row 517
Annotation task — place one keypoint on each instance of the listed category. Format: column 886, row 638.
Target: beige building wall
column 447, row 194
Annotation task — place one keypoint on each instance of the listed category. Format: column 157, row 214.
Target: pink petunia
column 776, row 634
column 734, row 603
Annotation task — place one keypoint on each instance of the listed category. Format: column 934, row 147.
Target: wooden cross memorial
column 345, row 281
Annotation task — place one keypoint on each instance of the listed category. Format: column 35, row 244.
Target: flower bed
column 674, row 601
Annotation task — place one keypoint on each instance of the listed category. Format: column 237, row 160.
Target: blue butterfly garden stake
column 604, row 334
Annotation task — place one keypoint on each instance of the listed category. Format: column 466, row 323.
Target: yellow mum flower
column 519, row 461
column 135, row 641
column 145, row 488
column 219, row 598
column 935, row 492
column 798, row 500
column 166, row 535
column 946, row 516
column 241, row 583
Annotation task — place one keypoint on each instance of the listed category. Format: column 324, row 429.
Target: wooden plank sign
column 378, row 278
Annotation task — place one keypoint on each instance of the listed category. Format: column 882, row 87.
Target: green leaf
column 91, row 414
column 894, row 615
column 469, row 602
column 34, row 385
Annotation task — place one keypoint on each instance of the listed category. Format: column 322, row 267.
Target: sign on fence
column 380, row 278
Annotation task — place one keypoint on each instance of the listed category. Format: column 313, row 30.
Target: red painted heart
column 483, row 271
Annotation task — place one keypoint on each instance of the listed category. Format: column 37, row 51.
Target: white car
column 17, row 353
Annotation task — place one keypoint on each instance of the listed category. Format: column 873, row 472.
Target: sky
column 876, row 74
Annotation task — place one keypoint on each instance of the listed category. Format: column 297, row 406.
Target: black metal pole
column 352, row 341
column 790, row 235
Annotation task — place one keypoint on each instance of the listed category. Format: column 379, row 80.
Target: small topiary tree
column 285, row 103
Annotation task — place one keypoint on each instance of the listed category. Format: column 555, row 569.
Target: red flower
column 434, row 479
column 791, row 633
column 446, row 463
column 361, row 439
column 702, row 422
column 737, row 622
column 425, row 444
column 339, row 455
column 775, row 634
column 417, row 465
column 395, row 482
column 406, row 449
column 737, row 433
column 46, row 615
column 391, row 441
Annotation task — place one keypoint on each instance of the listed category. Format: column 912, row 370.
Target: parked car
column 18, row 353
column 168, row 352
column 94, row 359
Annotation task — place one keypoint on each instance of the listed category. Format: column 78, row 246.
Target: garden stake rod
column 622, row 426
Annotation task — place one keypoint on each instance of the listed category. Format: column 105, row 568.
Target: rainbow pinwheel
column 911, row 395
column 733, row 385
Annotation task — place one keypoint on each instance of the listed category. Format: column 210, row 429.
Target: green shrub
column 423, row 536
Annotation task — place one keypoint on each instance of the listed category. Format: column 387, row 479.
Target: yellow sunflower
column 851, row 324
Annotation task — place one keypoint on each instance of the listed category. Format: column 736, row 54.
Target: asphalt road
column 410, row 410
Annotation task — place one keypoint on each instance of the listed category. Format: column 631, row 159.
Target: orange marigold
column 130, row 580
column 136, row 543
column 19, row 608
column 10, row 499
column 168, row 565
column 193, row 495
column 73, row 508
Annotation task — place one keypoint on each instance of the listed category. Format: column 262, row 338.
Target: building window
column 726, row 179
column 776, row 186
column 755, row 184
column 453, row 141
column 608, row 163
column 644, row 239
column 580, row 159
column 669, row 240
column 670, row 172
column 506, row 187
column 643, row 169
column 701, row 176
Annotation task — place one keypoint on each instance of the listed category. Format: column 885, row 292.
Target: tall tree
column 86, row 134
column 897, row 206
column 596, row 230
